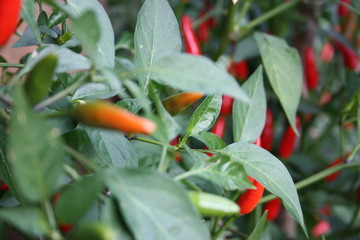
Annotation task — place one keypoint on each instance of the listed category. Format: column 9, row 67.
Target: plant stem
column 14, row 65
column 49, row 101
column 142, row 139
column 224, row 227
column 5, row 100
column 242, row 14
column 54, row 233
column 71, row 172
column 81, row 158
column 225, row 35
column 314, row 178
column 275, row 11
column 164, row 161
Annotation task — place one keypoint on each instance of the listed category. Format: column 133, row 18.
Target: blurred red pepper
column 267, row 134
column 9, row 18
column 219, row 127
column 288, row 141
column 350, row 57
column 175, row 142
column 65, row 227
column 239, row 70
column 226, row 106
column 335, row 175
column 343, row 10
column 310, row 68
column 4, row 187
column 327, row 52
column 192, row 45
column 325, row 98
column 273, row 207
column 321, row 228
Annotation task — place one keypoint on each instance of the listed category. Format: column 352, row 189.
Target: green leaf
column 113, row 148
column 204, row 116
column 131, row 105
column 36, row 154
column 284, row 69
column 156, row 36
column 231, row 175
column 270, row 172
column 104, row 51
column 90, row 91
column 39, row 79
column 76, row 199
column 259, row 228
column 28, row 220
column 211, row 140
column 154, row 206
column 249, row 119
column 28, row 14
column 196, row 74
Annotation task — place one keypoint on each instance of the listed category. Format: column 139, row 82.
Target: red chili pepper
column 251, row 197
column 65, row 227
column 273, row 207
column 219, row 127
column 192, row 45
column 288, row 141
column 258, row 142
column 9, row 18
column 226, row 106
column 310, row 67
column 350, row 57
column 327, row 52
column 320, row 228
column 239, row 70
column 335, row 175
column 175, row 142
column 342, row 9
column 4, row 187
column 267, row 134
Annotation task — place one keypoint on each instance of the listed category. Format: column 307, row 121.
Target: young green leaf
column 284, row 69
column 35, row 152
column 259, row 228
column 154, row 206
column 204, row 116
column 249, row 119
column 94, row 91
column 270, row 172
column 156, row 35
column 211, row 140
column 28, row 14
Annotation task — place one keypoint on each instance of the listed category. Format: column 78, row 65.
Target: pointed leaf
column 270, row 172
column 154, row 206
column 28, row 14
column 36, row 152
column 249, row 119
column 211, row 140
column 156, row 35
column 259, row 228
column 195, row 74
column 284, row 69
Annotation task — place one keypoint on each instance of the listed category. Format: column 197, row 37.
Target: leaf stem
column 81, row 158
column 13, row 65
column 224, row 227
column 142, row 139
column 71, row 172
column 275, row 11
column 314, row 178
column 54, row 233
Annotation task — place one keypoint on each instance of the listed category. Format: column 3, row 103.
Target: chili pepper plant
column 176, row 119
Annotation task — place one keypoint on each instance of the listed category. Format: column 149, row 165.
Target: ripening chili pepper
column 349, row 56
column 321, row 228
column 273, row 207
column 177, row 103
column 335, row 175
column 211, row 205
column 106, row 115
column 288, row 141
column 219, row 127
column 192, row 45
column 239, row 70
column 267, row 134
column 310, row 67
column 251, row 197
column 226, row 106
column 343, row 10
column 9, row 18
column 327, row 52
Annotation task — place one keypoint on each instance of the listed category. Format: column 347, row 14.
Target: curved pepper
column 311, row 70
column 251, row 197
column 177, row 103
column 350, row 57
column 267, row 134
column 106, row 115
column 226, row 106
column 192, row 45
column 9, row 18
column 211, row 205
column 288, row 141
